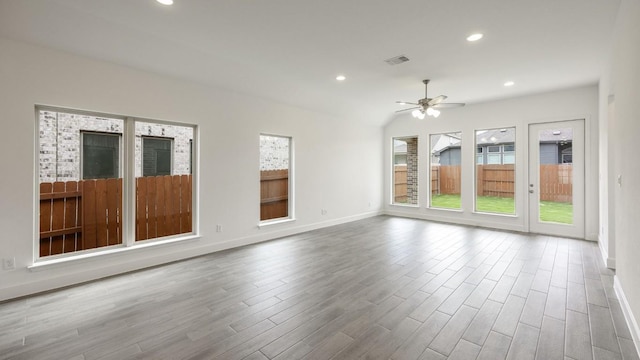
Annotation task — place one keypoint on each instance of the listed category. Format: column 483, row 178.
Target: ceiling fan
column 428, row 106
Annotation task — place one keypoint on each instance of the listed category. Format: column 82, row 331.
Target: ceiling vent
column 397, row 60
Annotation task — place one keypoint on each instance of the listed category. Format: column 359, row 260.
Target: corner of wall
column 609, row 262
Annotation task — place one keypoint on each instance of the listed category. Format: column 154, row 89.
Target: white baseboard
column 134, row 260
column 608, row 261
column 628, row 315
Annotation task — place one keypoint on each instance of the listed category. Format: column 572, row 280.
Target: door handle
column 530, row 191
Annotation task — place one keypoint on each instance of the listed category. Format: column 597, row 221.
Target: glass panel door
column 556, row 178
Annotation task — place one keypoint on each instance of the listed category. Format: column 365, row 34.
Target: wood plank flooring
column 380, row 288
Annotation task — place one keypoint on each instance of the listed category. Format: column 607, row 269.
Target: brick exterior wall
column 412, row 170
column 181, row 135
column 274, row 152
column 60, row 135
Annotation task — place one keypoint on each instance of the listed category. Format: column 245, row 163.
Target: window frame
column 459, row 133
column 393, row 166
column 486, row 162
column 127, row 167
column 291, row 183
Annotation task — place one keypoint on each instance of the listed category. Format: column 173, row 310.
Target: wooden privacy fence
column 79, row 215
column 60, row 217
column 495, row 180
column 556, row 181
column 87, row 214
column 274, row 194
column 400, row 183
column 163, row 206
column 445, row 179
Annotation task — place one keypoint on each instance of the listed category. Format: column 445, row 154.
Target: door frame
column 578, row 228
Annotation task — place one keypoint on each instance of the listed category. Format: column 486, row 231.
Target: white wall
column 571, row 104
column 337, row 161
column 624, row 136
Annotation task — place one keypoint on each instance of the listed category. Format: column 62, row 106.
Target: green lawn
column 446, row 201
column 556, row 212
column 495, row 204
column 549, row 211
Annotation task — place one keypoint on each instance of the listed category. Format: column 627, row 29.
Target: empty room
column 193, row 179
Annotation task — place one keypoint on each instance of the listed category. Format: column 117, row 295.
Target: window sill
column 275, row 222
column 496, row 214
column 46, row 264
column 446, row 209
column 406, row 205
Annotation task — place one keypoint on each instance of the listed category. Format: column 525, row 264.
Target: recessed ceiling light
column 474, row 37
column 165, row 2
column 509, row 83
column 341, row 78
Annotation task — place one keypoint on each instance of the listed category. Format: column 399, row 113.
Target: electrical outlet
column 218, row 228
column 9, row 263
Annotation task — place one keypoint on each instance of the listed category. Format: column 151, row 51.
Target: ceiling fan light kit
column 433, row 112
column 427, row 106
column 418, row 114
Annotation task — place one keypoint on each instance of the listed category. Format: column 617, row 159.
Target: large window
column 495, row 170
column 275, row 176
column 405, row 171
column 81, row 164
column 445, row 170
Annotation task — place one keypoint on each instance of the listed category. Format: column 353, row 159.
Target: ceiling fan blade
column 436, row 100
column 406, row 103
column 413, row 108
column 447, row 105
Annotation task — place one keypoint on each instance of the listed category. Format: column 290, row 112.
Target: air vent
column 397, row 60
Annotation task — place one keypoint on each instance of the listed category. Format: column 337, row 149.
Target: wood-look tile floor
column 380, row 288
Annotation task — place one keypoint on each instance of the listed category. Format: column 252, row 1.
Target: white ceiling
column 291, row 51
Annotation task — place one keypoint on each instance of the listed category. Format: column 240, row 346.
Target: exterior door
column 556, row 178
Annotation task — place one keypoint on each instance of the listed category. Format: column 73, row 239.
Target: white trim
column 275, row 222
column 495, row 213
column 392, row 173
column 291, row 216
column 458, row 210
column 609, row 262
column 133, row 263
column 46, row 264
column 129, row 183
column 628, row 314
column 403, row 205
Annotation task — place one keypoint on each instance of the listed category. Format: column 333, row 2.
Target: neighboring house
column 445, row 149
column 556, row 147
column 399, row 152
column 497, row 147
column 439, row 143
